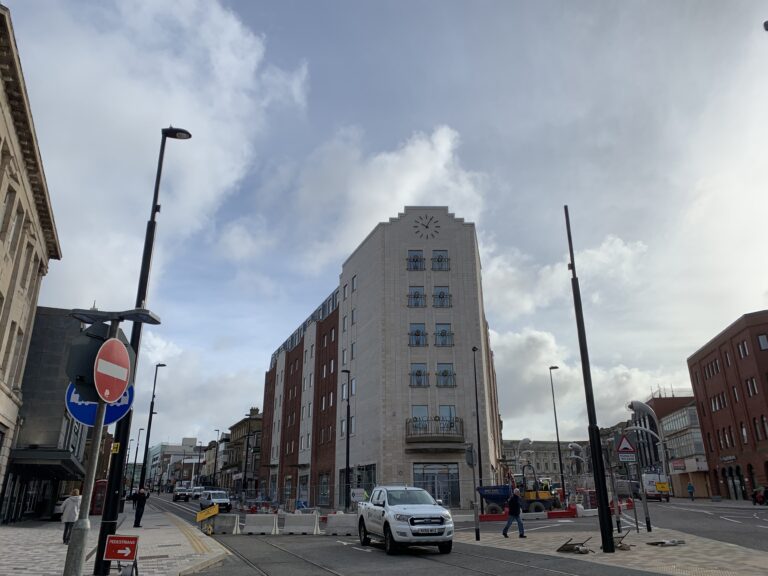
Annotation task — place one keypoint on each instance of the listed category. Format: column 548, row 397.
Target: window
column 352, row 351
column 756, row 427
column 354, row 282
column 322, row 403
column 344, row 357
column 419, row 375
column 332, row 365
column 735, row 395
column 6, row 211
column 325, row 340
column 751, row 387
column 443, row 335
column 324, row 366
column 344, row 323
column 417, row 335
column 330, row 400
column 744, row 437
column 765, row 426
column 311, row 379
column 416, row 297
column 440, row 297
column 309, row 410
column 353, row 385
column 727, row 358
column 344, row 391
column 743, row 349
column 420, row 415
column 447, row 417
column 333, row 334
column 440, row 260
column 762, row 340
column 415, row 260
column 323, row 490
column 353, row 316
column 445, row 375
column 720, row 439
column 311, row 350
column 342, row 427
column 345, row 291
column 352, row 425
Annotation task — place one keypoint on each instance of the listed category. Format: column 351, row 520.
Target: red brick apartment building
column 729, row 376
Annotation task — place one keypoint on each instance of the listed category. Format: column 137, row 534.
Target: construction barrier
column 226, row 524
column 301, row 524
column 260, row 524
column 341, row 524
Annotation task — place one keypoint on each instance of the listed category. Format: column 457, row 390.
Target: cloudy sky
column 313, row 121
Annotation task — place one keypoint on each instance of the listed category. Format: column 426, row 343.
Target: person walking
column 515, row 509
column 690, row 490
column 69, row 512
column 140, row 498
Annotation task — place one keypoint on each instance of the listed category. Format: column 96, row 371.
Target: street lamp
column 247, row 452
column 477, row 421
column 135, row 457
column 641, row 407
column 123, row 427
column 347, row 491
column 149, row 428
column 523, row 442
column 199, row 451
column 216, row 456
column 557, row 432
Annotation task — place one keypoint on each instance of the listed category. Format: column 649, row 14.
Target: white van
column 656, row 486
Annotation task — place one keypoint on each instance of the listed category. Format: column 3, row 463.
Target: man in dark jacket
column 515, row 509
column 141, row 501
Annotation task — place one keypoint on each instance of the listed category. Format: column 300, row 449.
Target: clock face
column 426, row 226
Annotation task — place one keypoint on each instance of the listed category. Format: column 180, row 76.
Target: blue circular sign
column 85, row 412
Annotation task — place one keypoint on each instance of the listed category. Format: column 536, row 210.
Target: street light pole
column 477, row 421
column 123, row 426
column 347, row 491
column 199, row 450
column 143, row 476
column 216, row 456
column 133, row 472
column 557, row 434
column 598, row 469
column 245, row 467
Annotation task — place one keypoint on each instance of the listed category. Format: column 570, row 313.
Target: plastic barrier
column 341, row 524
column 301, row 524
column 260, row 524
column 226, row 524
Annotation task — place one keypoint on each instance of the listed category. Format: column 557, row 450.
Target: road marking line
column 729, row 520
column 690, row 510
column 361, row 549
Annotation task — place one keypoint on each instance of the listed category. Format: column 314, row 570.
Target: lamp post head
column 475, row 348
column 553, row 368
column 177, row 133
column 160, row 365
column 346, row 371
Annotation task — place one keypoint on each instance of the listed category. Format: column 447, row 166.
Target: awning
column 46, row 464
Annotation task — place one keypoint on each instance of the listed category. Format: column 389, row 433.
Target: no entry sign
column 111, row 370
column 121, row 547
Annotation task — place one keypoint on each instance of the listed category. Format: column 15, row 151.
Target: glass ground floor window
column 441, row 480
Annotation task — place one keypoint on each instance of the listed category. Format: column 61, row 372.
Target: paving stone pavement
column 697, row 557
column 167, row 546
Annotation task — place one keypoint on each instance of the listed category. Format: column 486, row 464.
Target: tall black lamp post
column 216, row 456
column 123, row 426
column 557, row 433
column 347, row 480
column 143, row 476
column 247, row 455
column 479, row 441
column 135, row 457
column 199, row 450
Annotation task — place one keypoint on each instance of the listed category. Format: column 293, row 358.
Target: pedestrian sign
column 121, row 548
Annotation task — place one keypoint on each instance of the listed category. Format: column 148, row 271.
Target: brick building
column 729, row 375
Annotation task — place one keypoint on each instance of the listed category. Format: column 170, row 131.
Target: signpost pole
column 76, row 550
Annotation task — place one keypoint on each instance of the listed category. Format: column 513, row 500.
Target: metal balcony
column 434, row 430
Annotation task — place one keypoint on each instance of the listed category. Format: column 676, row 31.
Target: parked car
column 210, row 497
column 196, row 492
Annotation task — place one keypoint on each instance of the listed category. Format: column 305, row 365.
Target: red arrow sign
column 121, row 547
column 112, row 370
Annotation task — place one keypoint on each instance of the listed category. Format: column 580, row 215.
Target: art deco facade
column 395, row 339
column 729, row 376
column 28, row 238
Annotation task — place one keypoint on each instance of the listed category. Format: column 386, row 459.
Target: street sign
column 625, row 446
column 111, row 370
column 627, row 457
column 122, row 548
column 207, row 513
column 85, row 412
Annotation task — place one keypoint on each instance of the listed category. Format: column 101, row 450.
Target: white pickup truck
column 404, row 516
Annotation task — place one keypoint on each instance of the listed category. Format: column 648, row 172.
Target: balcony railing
column 441, row 300
column 415, row 263
column 419, row 379
column 417, row 338
column 446, row 379
column 441, row 263
column 444, row 338
column 434, row 429
column 417, row 300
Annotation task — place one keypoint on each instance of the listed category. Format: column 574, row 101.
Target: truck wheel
column 390, row 546
column 536, row 507
column 363, row 534
column 493, row 509
column 445, row 547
